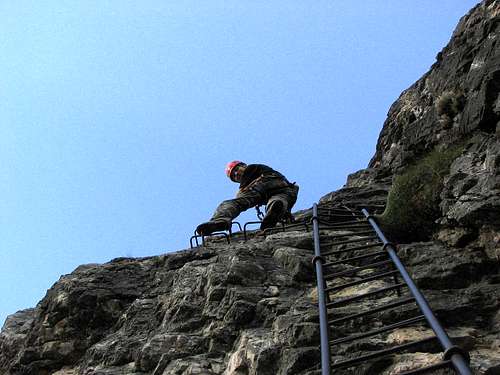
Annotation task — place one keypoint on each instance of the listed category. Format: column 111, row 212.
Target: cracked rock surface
column 250, row 307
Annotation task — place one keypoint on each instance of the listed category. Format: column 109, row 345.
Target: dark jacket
column 255, row 171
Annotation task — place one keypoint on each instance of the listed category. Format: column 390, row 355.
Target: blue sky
column 117, row 117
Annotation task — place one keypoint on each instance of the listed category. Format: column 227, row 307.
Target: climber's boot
column 211, row 226
column 275, row 213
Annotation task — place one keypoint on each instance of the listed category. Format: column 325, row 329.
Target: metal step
column 341, row 216
column 381, row 353
column 340, row 211
column 356, row 269
column 354, row 224
column 362, row 281
column 335, row 252
column 423, row 370
column 334, row 215
column 378, row 330
column 364, row 295
column 342, row 261
column 369, row 238
column 330, row 207
column 348, row 222
column 384, row 307
column 345, row 235
column 324, row 226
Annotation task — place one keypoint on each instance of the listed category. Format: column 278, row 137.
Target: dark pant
column 265, row 191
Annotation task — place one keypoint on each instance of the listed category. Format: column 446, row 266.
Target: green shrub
column 413, row 201
column 448, row 105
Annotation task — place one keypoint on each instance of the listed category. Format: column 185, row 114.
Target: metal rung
column 342, row 211
column 373, row 205
column 372, row 311
column 341, row 218
column 354, row 270
column 378, row 330
column 346, row 235
column 362, row 281
column 351, row 241
column 348, row 222
column 330, row 208
column 354, row 223
column 335, row 252
column 324, row 226
column 423, row 370
column 298, row 224
column 342, row 261
column 381, row 353
column 341, row 215
column 365, row 295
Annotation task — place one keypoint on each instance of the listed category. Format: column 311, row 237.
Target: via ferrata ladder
column 362, row 255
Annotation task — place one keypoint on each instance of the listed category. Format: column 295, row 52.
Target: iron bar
column 381, row 353
column 195, row 237
column 323, row 318
column 361, row 281
column 378, row 330
column 352, row 224
column 372, row 310
column 347, row 222
column 457, row 357
column 341, row 215
column 364, row 295
column 245, row 228
column 356, row 269
column 342, row 261
column 335, row 252
column 331, row 207
column 236, row 223
column 369, row 238
column 216, row 234
column 340, row 227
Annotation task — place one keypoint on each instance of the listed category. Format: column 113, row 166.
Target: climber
column 259, row 184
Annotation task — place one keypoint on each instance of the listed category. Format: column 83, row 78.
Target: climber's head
column 235, row 169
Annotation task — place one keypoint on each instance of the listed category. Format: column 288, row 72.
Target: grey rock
column 250, row 308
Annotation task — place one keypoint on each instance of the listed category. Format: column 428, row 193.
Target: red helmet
column 230, row 166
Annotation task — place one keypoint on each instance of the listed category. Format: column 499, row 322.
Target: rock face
column 250, row 308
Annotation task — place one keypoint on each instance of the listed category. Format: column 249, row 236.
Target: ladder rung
column 293, row 225
column 328, row 264
column 335, row 252
column 356, row 269
column 351, row 241
column 322, row 210
column 372, row 311
column 330, row 208
column 324, row 236
column 381, row 353
column 362, row 281
column 324, row 226
column 352, row 217
column 365, row 295
column 378, row 330
column 422, row 370
column 348, row 222
column 352, row 224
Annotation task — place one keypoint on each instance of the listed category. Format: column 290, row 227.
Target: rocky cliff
column 250, row 308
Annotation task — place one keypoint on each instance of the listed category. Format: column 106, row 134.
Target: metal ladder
column 244, row 231
column 375, row 258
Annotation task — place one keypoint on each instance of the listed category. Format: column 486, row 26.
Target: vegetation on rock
column 448, row 106
column 413, row 201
